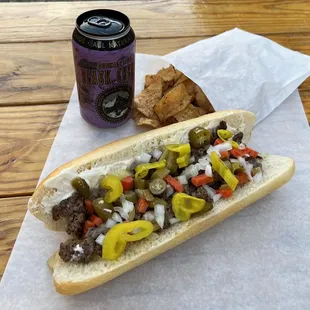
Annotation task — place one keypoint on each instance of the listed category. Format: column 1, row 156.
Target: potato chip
column 188, row 113
column 202, row 101
column 141, row 120
column 173, row 102
column 168, row 97
column 151, row 79
column 147, row 99
column 178, row 75
column 169, row 121
column 181, row 79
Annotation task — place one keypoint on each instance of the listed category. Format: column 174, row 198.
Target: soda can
column 104, row 47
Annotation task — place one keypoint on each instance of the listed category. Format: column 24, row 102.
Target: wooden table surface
column 36, row 71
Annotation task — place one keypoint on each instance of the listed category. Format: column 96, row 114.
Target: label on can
column 105, row 80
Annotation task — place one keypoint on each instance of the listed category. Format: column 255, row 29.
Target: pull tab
column 99, row 21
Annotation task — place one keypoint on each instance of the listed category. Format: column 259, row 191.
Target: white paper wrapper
column 240, row 70
column 257, row 259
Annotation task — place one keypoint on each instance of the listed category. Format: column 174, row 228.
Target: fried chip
column 147, row 99
column 188, row 113
column 181, row 79
column 173, row 102
column 202, row 101
column 151, row 79
column 141, row 120
column 169, row 121
column 169, row 97
column 178, row 75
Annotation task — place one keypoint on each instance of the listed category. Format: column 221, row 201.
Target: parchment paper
column 240, row 70
column 257, row 259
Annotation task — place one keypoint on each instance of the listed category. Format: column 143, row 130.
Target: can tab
column 99, row 21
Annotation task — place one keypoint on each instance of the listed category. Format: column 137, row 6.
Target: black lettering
column 101, row 77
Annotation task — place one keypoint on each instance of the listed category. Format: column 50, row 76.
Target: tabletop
column 37, row 74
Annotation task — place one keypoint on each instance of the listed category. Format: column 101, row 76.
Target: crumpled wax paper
column 256, row 259
column 241, row 70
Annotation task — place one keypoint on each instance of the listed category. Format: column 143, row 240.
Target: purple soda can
column 104, row 49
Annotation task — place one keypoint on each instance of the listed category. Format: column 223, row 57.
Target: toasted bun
column 72, row 278
column 131, row 147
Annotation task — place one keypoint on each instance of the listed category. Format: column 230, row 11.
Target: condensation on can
column 104, row 56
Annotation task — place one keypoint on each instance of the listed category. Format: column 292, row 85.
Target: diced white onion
column 208, row 170
column 191, row 160
column 107, row 210
column 157, row 153
column 182, row 179
column 100, row 239
column 144, row 158
column 233, row 160
column 191, row 171
column 216, row 197
column 149, row 216
column 210, row 191
column 173, row 220
column 242, row 146
column 122, row 212
column 200, row 166
column 116, row 217
column 258, row 177
column 247, row 167
column 128, row 206
column 110, row 223
column 226, row 146
column 169, row 190
column 159, row 211
column 213, row 149
column 204, row 160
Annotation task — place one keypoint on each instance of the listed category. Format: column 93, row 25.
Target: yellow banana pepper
column 219, row 166
column 184, row 151
column 143, row 169
column 184, row 206
column 114, row 185
column 116, row 239
column 225, row 135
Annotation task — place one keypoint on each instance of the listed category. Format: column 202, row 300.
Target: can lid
column 102, row 22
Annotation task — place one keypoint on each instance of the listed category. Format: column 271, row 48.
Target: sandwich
column 133, row 199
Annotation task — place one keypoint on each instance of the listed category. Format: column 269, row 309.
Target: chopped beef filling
column 254, row 162
column 238, row 137
column 80, row 251
column 74, row 211
column 202, row 194
column 168, row 214
column 214, row 136
column 198, row 153
column 198, row 192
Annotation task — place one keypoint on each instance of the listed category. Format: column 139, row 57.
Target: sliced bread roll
column 71, row 278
